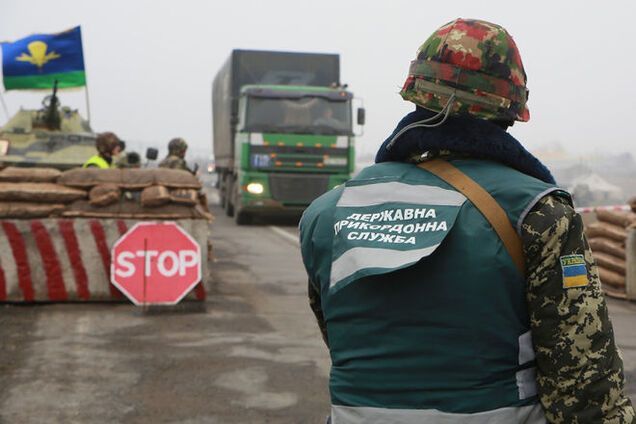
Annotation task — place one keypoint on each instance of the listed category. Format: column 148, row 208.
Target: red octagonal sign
column 155, row 263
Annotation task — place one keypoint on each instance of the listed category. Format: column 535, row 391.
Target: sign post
column 156, row 263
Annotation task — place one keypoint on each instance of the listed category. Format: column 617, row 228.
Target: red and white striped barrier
column 68, row 259
column 614, row 208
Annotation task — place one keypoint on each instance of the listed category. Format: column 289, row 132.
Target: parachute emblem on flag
column 38, row 54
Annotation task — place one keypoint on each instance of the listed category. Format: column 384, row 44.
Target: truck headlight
column 255, row 188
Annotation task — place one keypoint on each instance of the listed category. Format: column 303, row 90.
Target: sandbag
column 133, row 210
column 606, row 230
column 104, row 194
column 185, row 196
column 129, row 179
column 203, row 200
column 622, row 219
column 90, row 177
column 607, row 246
column 154, row 196
column 203, row 213
column 618, row 293
column 26, row 210
column 39, row 192
column 175, row 178
column 610, row 262
column 203, row 204
column 611, row 278
column 29, row 175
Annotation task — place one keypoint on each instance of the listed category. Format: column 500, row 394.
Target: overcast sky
column 150, row 63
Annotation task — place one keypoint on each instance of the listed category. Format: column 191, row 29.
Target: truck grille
column 298, row 189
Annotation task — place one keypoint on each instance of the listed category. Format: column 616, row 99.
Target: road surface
column 253, row 356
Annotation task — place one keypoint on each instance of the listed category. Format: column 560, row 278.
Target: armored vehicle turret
column 53, row 136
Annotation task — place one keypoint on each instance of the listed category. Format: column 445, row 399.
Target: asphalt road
column 253, row 356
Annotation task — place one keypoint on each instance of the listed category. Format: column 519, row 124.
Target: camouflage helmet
column 177, row 146
column 106, row 142
column 477, row 62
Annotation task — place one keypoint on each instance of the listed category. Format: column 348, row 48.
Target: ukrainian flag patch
column 574, row 271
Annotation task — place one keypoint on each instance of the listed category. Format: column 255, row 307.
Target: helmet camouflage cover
column 177, row 146
column 479, row 63
column 106, row 143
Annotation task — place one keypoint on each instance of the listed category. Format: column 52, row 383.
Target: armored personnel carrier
column 53, row 136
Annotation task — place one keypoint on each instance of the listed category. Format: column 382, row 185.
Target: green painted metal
column 66, row 79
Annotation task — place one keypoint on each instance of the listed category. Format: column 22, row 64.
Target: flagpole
column 88, row 106
column 4, row 106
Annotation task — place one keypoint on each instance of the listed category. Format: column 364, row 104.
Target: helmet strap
column 428, row 122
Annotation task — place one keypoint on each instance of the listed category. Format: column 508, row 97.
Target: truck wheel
column 222, row 191
column 221, row 200
column 242, row 218
column 229, row 205
column 229, row 208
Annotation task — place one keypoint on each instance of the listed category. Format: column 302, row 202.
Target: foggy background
column 150, row 66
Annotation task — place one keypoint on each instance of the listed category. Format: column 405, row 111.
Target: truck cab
column 296, row 143
column 291, row 141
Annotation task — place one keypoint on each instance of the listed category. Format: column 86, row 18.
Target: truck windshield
column 305, row 115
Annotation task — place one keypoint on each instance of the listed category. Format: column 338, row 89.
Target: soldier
column 108, row 146
column 452, row 280
column 177, row 148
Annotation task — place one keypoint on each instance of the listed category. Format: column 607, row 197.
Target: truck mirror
column 152, row 153
column 361, row 116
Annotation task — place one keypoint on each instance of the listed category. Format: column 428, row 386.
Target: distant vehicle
column 211, row 166
column 283, row 131
column 53, row 136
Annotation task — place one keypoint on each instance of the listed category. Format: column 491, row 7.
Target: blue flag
column 38, row 60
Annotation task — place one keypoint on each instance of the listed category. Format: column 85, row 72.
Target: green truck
column 283, row 131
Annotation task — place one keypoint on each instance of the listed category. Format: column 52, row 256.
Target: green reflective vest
column 97, row 161
column 425, row 310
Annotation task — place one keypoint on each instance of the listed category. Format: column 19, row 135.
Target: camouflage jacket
column 174, row 162
column 579, row 368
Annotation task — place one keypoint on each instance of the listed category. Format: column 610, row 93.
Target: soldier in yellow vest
column 108, row 145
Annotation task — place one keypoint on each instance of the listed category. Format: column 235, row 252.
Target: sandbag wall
column 97, row 193
column 57, row 228
column 607, row 238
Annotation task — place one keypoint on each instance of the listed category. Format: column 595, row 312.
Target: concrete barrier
column 44, row 260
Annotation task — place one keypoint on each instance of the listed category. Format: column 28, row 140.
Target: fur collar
column 476, row 138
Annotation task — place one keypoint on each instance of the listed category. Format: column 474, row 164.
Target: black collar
column 477, row 138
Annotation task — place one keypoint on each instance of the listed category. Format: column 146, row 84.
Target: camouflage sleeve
column 579, row 368
column 314, row 304
column 174, row 162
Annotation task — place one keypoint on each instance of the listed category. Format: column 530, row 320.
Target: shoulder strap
column 484, row 202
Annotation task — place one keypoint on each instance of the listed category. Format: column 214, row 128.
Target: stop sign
column 155, row 263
